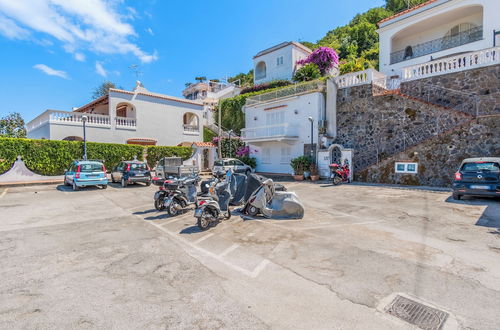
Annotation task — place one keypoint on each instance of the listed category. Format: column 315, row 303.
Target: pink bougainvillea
column 325, row 58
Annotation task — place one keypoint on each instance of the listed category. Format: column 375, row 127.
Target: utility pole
column 219, row 111
column 84, row 120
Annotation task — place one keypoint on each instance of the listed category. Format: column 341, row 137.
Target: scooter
column 215, row 206
column 340, row 174
column 273, row 204
column 180, row 194
column 159, row 197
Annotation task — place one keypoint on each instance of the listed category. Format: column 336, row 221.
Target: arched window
column 260, row 70
column 408, row 52
column 125, row 110
column 191, row 122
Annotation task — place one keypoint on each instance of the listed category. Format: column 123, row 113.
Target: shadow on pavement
column 162, row 216
column 145, row 212
column 191, row 230
column 491, row 215
column 64, row 188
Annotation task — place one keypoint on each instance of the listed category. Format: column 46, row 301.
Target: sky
column 53, row 53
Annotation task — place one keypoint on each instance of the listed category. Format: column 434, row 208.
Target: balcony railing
column 292, row 90
column 485, row 57
column 279, row 131
column 191, row 128
column 358, row 78
column 436, row 45
column 126, row 123
column 68, row 117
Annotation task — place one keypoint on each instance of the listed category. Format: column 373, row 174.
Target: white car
column 231, row 163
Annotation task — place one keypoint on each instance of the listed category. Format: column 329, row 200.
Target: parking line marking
column 339, row 225
column 260, row 267
column 4, row 192
column 229, row 250
column 199, row 240
column 172, row 221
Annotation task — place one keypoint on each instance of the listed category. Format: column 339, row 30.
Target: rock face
column 435, row 122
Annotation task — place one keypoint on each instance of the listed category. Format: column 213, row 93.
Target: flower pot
column 307, row 174
column 314, row 177
column 299, row 177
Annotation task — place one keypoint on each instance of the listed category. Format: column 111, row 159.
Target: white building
column 278, row 62
column 136, row 117
column 436, row 29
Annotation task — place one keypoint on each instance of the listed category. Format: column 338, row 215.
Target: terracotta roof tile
column 401, row 13
column 204, row 144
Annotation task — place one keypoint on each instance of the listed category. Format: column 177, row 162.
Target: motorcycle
column 176, row 194
column 273, row 204
column 340, row 174
column 159, row 197
column 216, row 205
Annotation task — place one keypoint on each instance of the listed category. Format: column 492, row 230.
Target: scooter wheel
column 228, row 215
column 253, row 211
column 159, row 206
column 337, row 180
column 203, row 221
column 173, row 208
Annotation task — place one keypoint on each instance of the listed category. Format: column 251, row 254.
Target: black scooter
column 176, row 194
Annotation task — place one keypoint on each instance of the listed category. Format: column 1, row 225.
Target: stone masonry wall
column 379, row 126
column 440, row 157
column 483, row 84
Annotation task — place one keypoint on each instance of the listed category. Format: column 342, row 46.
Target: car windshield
column 481, row 166
column 92, row 167
column 219, row 163
column 138, row 166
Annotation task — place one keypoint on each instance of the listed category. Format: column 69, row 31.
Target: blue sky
column 55, row 52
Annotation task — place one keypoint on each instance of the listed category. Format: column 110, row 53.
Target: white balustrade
column 358, row 78
column 271, row 131
column 124, row 122
column 288, row 91
column 485, row 57
column 68, row 117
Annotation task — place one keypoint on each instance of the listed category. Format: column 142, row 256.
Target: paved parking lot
column 106, row 259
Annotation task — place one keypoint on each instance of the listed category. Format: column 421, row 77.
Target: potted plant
column 314, row 172
column 299, row 165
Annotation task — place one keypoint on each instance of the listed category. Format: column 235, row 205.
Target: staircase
column 225, row 132
column 457, row 108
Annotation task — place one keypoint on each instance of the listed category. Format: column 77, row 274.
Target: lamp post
column 84, row 120
column 312, row 140
column 230, row 144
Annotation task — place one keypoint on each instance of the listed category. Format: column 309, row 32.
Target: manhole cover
column 422, row 316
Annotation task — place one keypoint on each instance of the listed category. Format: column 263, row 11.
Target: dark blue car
column 477, row 177
column 130, row 172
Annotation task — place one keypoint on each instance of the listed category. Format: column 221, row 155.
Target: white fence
column 358, row 78
column 485, row 57
column 70, row 117
column 293, row 90
column 124, row 122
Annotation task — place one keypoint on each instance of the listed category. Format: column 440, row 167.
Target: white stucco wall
column 307, row 105
column 433, row 23
column 291, row 54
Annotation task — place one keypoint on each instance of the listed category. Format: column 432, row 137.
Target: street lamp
column 312, row 140
column 84, row 120
column 230, row 144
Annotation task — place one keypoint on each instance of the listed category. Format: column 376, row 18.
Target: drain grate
column 422, row 316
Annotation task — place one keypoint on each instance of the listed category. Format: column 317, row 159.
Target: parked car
column 131, row 172
column 231, row 163
column 477, row 177
column 82, row 173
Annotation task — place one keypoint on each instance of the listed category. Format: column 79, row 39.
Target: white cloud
column 51, row 72
column 150, row 31
column 95, row 25
column 100, row 69
column 79, row 57
column 11, row 30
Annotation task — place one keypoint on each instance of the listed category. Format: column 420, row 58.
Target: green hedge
column 49, row 157
column 208, row 135
column 155, row 153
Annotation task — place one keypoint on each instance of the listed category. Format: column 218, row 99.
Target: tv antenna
column 135, row 70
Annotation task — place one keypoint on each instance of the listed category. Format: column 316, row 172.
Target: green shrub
column 208, row 135
column 50, row 157
column 155, row 153
column 250, row 161
column 301, row 164
column 307, row 73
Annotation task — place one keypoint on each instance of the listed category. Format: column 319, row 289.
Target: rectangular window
column 266, row 155
column 401, row 167
column 279, row 61
column 286, row 155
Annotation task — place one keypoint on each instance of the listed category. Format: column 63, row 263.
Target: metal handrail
column 439, row 44
column 288, row 91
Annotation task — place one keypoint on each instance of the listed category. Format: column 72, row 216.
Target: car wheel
column 124, row 183
column 112, row 178
column 148, row 183
column 247, row 173
column 104, row 186
column 75, row 187
column 457, row 196
column 66, row 181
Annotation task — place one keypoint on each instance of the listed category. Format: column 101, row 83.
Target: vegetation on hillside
column 12, row 125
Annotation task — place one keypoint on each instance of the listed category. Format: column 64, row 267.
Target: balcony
column 278, row 132
column 289, row 91
column 68, row 118
column 125, row 123
column 191, row 129
column 437, row 45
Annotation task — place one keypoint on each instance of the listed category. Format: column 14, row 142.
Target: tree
column 200, row 79
column 103, row 89
column 12, row 125
column 307, row 73
column 400, row 5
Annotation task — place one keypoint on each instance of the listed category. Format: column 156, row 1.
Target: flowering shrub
column 264, row 86
column 307, row 73
column 325, row 58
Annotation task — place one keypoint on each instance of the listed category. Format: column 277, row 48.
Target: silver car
column 232, row 163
